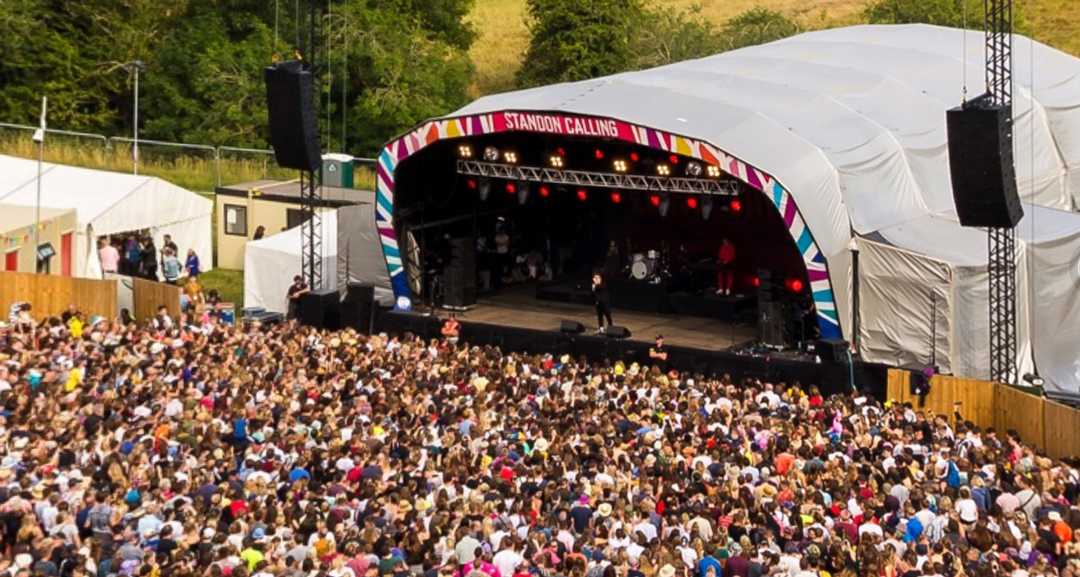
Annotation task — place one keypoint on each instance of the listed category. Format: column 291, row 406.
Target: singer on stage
column 602, row 300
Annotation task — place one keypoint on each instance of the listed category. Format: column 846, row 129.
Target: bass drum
column 642, row 269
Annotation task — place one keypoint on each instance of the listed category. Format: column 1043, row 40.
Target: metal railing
column 216, row 154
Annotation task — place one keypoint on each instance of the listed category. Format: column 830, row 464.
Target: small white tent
column 271, row 263
column 112, row 203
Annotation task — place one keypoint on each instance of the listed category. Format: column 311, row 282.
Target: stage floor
column 518, row 307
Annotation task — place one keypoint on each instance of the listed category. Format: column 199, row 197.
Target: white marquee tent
column 851, row 122
column 112, row 203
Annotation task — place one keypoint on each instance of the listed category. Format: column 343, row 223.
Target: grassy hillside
column 504, row 37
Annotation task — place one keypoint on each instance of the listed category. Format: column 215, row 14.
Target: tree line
column 384, row 65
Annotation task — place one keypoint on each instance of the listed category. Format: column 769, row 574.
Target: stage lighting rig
column 712, row 171
column 693, row 169
column 465, row 151
column 491, row 154
column 692, row 202
column 663, row 170
column 616, row 197
column 556, row 161
column 620, row 165
column 510, row 157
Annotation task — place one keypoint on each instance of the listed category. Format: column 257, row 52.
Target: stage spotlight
column 511, row 188
column 485, row 188
column 794, row 285
column 544, row 191
column 1034, row 380
column 582, row 195
column 663, row 170
column 599, row 154
column 755, row 281
column 465, row 151
column 691, row 202
column 556, row 161
column 471, row 183
column 523, row 192
column 713, row 171
column 706, row 207
column 693, row 169
column 634, row 157
column 616, row 197
column 654, row 199
column 673, row 159
column 491, row 154
column 620, row 165
column 510, row 157
column 735, row 206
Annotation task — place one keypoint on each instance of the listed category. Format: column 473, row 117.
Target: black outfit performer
column 602, row 300
column 296, row 291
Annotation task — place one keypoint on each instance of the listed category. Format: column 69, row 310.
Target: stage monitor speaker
column 771, row 324
column 294, row 129
column 617, row 332
column 571, row 327
column 832, row 350
column 321, row 309
column 981, row 164
column 358, row 307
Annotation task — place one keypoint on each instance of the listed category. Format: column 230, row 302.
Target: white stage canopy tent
column 271, row 263
column 108, row 203
column 851, row 123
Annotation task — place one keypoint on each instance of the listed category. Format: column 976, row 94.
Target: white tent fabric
column 851, row 122
column 112, row 203
column 271, row 263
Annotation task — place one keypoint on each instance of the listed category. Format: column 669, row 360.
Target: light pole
column 39, row 138
column 135, row 66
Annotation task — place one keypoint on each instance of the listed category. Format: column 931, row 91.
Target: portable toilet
column 337, row 170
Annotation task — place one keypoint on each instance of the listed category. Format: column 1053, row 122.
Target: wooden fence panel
column 1061, row 431
column 149, row 295
column 897, row 385
column 1021, row 412
column 977, row 401
column 50, row 295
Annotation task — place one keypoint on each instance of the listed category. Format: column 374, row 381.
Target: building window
column 294, row 217
column 236, row 220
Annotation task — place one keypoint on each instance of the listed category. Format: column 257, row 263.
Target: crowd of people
column 137, row 255
column 189, row 447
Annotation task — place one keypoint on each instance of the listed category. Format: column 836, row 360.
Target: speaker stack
column 459, row 276
column 771, row 312
column 358, row 307
column 321, row 309
column 290, row 102
column 981, row 163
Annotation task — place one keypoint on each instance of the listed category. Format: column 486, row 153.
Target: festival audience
column 187, row 447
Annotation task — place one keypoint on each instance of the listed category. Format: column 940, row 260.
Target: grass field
column 503, row 35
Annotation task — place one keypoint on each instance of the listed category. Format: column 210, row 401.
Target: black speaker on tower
column 294, row 129
column 771, row 312
column 981, row 164
column 459, row 276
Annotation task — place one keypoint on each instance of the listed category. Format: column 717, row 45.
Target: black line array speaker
column 831, row 350
column 358, row 307
column 981, row 163
column 294, row 128
column 321, row 309
column 771, row 322
column 459, row 276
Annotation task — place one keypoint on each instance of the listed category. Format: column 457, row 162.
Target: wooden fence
column 1048, row 425
column 50, row 295
column 149, row 295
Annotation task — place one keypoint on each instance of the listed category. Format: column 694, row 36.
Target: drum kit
column 649, row 266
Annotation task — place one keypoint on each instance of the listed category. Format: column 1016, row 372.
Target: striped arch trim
column 574, row 125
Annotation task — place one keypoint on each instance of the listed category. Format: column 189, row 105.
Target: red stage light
column 674, row 159
column 736, row 206
column 599, row 154
column 545, row 192
column 794, row 285
column 582, row 195
column 471, row 183
column 756, row 281
column 634, row 157
column 560, row 151
column 511, row 188
column 616, row 198
column 654, row 200
column 691, row 202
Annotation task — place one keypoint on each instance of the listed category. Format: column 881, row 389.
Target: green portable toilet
column 337, row 170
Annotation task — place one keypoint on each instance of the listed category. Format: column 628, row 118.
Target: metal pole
column 135, row 147
column 41, row 160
